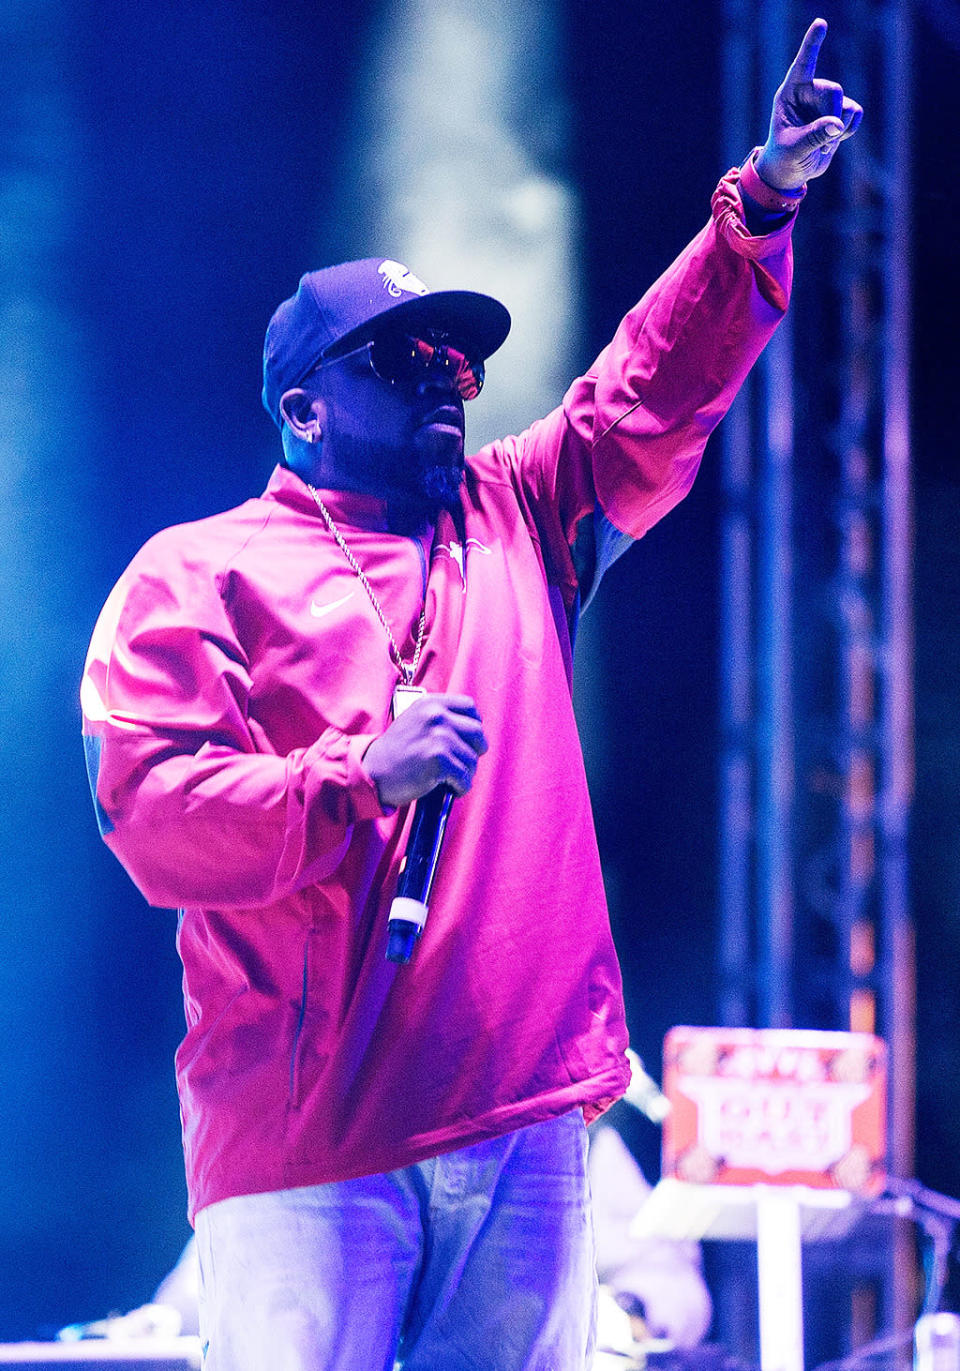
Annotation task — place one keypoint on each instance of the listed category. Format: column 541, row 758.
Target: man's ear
column 304, row 414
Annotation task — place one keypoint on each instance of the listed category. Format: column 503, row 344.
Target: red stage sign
column 778, row 1106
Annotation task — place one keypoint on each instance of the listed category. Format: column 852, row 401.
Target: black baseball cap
column 339, row 308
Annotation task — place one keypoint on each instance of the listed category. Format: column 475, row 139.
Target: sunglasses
column 403, row 360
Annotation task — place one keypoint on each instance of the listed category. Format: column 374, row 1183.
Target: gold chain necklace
column 408, row 670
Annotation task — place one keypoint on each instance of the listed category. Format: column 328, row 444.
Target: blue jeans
column 481, row 1258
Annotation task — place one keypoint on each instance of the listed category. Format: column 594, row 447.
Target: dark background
column 199, row 143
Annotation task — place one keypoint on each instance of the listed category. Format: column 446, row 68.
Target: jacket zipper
column 295, row 1051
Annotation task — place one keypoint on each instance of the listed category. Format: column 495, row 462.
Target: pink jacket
column 236, row 676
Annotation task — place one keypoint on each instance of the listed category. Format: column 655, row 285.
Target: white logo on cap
column 397, row 279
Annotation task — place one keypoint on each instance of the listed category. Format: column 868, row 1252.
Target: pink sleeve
column 630, row 433
column 190, row 807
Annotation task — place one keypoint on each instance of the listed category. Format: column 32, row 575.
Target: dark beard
column 437, row 488
column 441, row 485
column 422, row 486
column 436, row 470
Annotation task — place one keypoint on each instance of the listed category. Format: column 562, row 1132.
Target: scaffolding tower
column 817, row 757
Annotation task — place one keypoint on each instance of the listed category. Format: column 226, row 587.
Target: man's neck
column 410, row 517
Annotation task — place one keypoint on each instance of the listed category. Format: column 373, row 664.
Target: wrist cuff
column 364, row 797
column 753, row 184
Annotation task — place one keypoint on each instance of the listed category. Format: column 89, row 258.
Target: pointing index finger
column 805, row 63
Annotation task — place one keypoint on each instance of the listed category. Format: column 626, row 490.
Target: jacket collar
column 346, row 506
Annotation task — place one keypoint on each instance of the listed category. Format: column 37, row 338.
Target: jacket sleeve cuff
column 767, row 197
column 726, row 205
column 364, row 800
column 773, row 248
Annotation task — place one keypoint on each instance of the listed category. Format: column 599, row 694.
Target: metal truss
column 817, row 761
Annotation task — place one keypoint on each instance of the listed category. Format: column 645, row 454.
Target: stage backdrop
column 166, row 173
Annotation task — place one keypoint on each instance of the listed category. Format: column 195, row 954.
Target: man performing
column 386, row 1154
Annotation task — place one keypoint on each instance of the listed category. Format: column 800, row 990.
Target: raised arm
column 628, row 441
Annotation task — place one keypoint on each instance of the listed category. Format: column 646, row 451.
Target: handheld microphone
column 408, row 912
